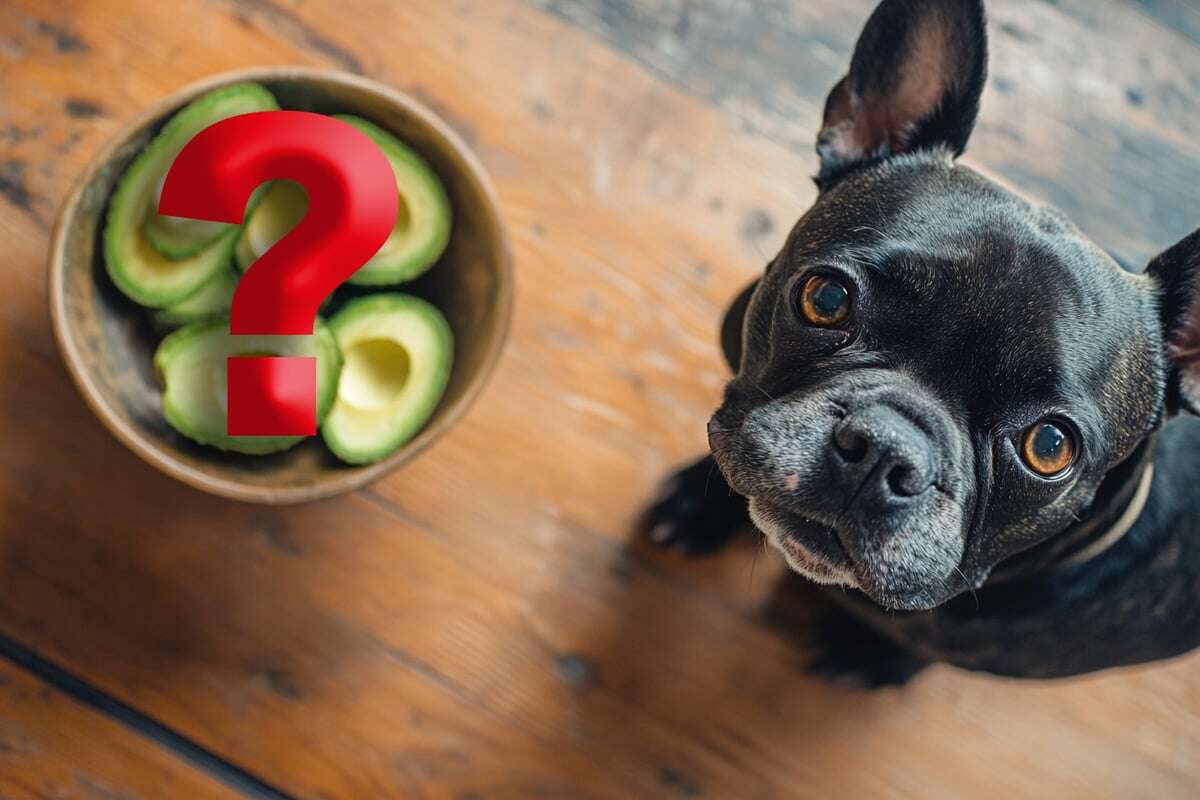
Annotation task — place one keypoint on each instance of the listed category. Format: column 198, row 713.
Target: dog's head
column 935, row 374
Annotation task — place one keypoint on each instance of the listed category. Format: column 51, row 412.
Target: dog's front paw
column 851, row 654
column 695, row 510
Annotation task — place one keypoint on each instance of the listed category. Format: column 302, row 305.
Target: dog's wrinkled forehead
column 988, row 299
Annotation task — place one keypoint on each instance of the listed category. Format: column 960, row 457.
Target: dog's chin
column 788, row 531
column 814, row 550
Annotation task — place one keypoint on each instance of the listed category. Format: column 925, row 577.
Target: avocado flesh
column 191, row 362
column 283, row 205
column 140, row 271
column 422, row 228
column 213, row 299
column 398, row 351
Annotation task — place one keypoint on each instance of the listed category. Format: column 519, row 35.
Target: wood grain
column 52, row 747
column 481, row 624
column 1090, row 106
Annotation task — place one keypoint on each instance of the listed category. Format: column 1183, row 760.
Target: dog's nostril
column 901, row 481
column 851, row 445
column 879, row 456
column 718, row 437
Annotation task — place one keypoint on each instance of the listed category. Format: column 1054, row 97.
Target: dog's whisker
column 766, row 394
column 753, row 564
column 708, row 477
column 967, row 583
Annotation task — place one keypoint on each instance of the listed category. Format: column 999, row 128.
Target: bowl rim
column 354, row 477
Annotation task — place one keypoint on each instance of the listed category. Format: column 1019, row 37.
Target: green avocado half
column 191, row 363
column 417, row 240
column 398, row 352
column 138, row 269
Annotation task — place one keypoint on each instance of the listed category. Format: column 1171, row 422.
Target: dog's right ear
column 732, row 325
column 915, row 80
column 1176, row 272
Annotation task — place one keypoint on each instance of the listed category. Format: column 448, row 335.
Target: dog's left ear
column 1177, row 275
column 915, row 80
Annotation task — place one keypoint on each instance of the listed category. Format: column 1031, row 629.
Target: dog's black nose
column 880, row 456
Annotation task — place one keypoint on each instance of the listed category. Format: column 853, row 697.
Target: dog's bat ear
column 914, row 83
column 1176, row 272
column 731, row 327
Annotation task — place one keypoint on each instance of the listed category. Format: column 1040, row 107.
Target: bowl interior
column 109, row 343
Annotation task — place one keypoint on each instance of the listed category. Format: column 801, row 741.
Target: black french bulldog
column 951, row 404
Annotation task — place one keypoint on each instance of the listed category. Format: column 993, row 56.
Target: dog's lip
column 807, row 559
column 798, row 541
column 803, row 532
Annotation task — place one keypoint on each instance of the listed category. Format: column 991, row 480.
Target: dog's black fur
column 975, row 315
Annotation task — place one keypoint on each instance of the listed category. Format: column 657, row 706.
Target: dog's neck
column 1119, row 502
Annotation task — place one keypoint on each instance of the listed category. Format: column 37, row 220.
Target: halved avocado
column 418, row 239
column 213, row 299
column 398, row 351
column 140, row 271
column 422, row 227
column 191, row 363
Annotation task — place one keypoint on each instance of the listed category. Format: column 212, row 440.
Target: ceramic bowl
column 108, row 344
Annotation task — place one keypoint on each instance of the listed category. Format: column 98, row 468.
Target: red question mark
column 352, row 207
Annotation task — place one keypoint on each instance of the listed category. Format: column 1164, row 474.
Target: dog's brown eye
column 824, row 301
column 1048, row 449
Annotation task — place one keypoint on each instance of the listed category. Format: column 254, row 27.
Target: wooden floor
column 481, row 625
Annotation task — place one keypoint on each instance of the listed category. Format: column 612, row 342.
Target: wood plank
column 51, row 747
column 1177, row 15
column 1089, row 106
column 479, row 623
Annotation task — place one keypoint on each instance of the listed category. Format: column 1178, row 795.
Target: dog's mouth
column 810, row 547
column 815, row 551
